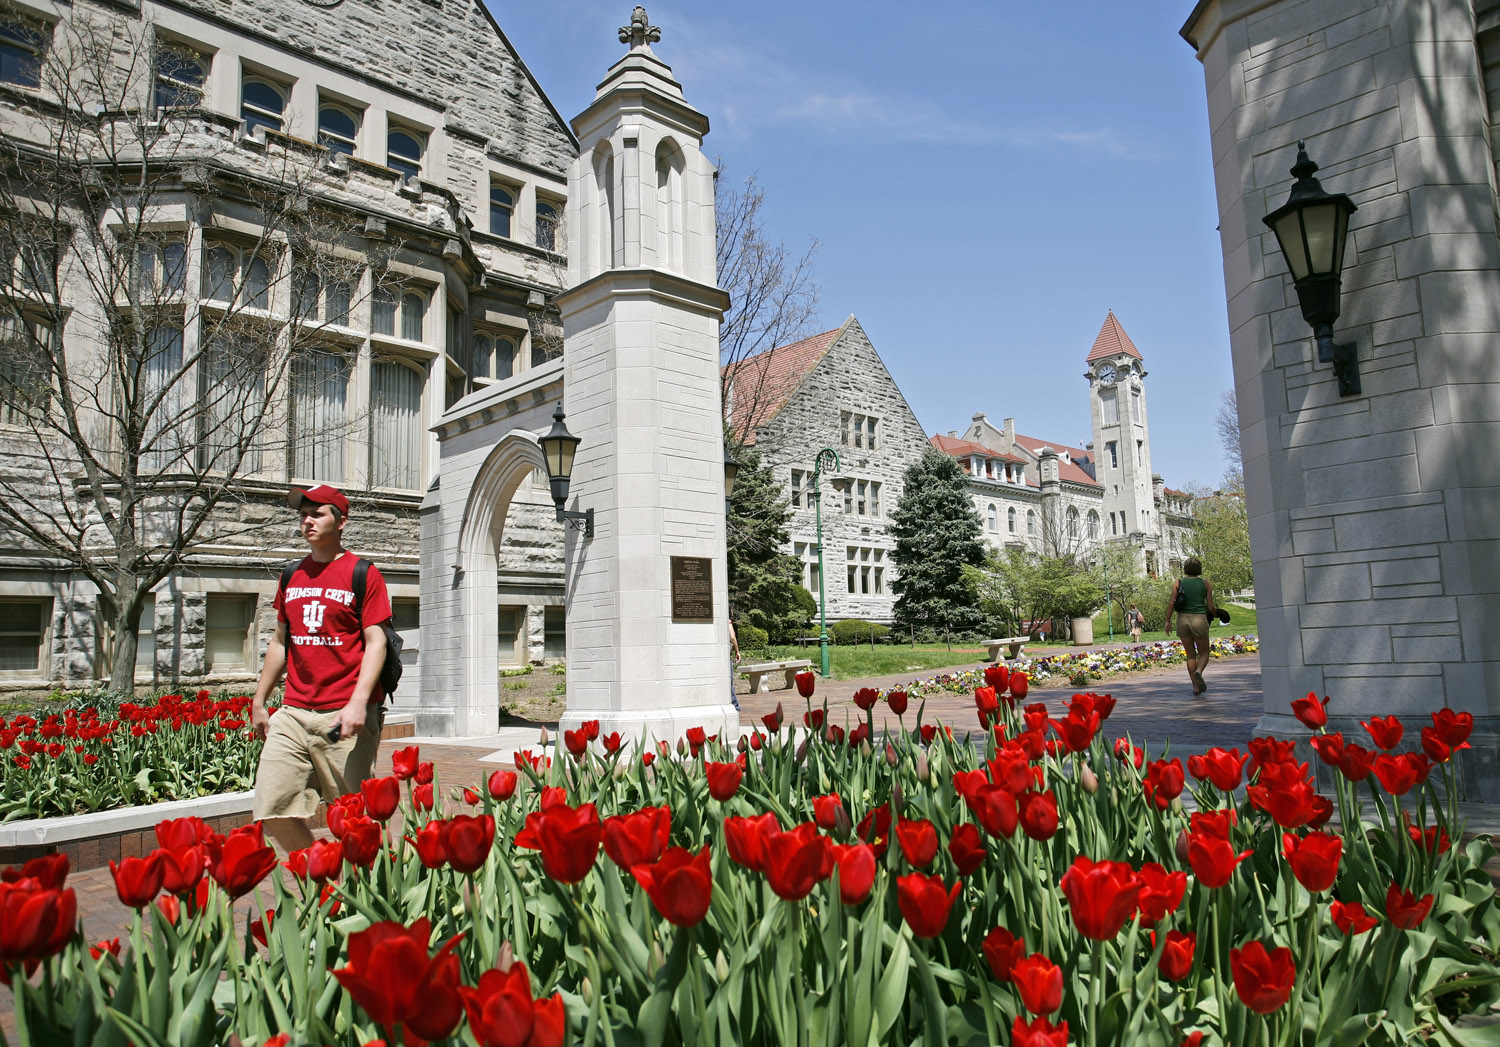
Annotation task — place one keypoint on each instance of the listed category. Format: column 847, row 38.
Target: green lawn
column 1242, row 623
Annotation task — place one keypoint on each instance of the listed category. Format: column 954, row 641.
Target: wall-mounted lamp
column 559, row 446
column 1311, row 228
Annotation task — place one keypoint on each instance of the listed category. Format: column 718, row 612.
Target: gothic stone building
column 416, row 125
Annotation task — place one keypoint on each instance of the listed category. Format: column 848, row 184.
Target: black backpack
column 390, row 672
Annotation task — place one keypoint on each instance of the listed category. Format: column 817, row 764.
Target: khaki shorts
column 299, row 765
column 1192, row 627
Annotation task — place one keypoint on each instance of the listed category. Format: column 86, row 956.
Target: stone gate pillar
column 641, row 327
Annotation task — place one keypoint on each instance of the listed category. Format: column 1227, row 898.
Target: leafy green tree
column 1221, row 538
column 937, row 532
column 764, row 582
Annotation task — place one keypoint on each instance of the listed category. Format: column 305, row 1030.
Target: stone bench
column 1015, row 643
column 755, row 672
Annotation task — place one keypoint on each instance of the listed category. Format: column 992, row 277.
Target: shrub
column 751, row 637
column 853, row 631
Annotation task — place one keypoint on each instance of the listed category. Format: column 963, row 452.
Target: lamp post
column 1311, row 228
column 826, row 454
column 558, row 447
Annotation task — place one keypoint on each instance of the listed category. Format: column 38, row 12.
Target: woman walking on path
column 1136, row 622
column 1192, row 619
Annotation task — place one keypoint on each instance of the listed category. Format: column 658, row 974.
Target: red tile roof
column 762, row 384
column 1179, row 494
column 960, row 448
column 1067, row 471
column 1112, row 341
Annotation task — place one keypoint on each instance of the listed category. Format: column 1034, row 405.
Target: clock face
column 1106, row 373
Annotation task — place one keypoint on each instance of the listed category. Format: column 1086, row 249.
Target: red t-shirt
column 325, row 640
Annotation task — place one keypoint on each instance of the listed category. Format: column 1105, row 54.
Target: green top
column 1195, row 595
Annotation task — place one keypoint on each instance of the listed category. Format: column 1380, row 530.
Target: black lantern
column 731, row 468
column 1311, row 228
column 558, row 447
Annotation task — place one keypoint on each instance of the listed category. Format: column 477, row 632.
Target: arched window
column 1031, row 522
column 262, row 104
column 670, row 219
column 403, row 152
column 546, row 226
column 180, row 74
column 1072, row 523
column 483, row 350
column 992, row 517
column 502, row 206
column 1093, row 525
column 337, row 128
column 1010, row 520
column 395, row 424
column 505, row 357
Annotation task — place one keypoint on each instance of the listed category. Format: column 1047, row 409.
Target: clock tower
column 1122, row 444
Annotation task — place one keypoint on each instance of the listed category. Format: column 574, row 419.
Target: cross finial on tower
column 640, row 33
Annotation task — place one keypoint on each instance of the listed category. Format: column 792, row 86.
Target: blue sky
column 987, row 179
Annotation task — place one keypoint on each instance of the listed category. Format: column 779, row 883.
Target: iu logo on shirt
column 312, row 615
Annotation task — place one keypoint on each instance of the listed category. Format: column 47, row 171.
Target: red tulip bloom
column 381, row 796
column 986, row 702
column 796, row 861
column 680, row 885
column 170, row 907
column 1356, row 762
column 723, row 779
column 1038, row 814
column 995, row 810
column 896, row 702
column 1263, row 980
column 1432, row 840
column 1077, row 730
column 856, row 866
column 1102, row 896
column 35, row 922
column 1453, row 728
column 502, row 784
column 918, row 840
column 577, row 742
column 1213, row 859
column 966, row 848
column 1164, row 782
column 1161, row 892
column 806, row 682
column 1223, row 767
column 391, row 977
column 826, row 810
column 875, row 829
column 425, row 773
column 1283, row 792
column 99, row 948
column 925, row 903
column 1328, row 746
column 1003, row 951
column 181, row 870
column 1177, row 955
column 1437, row 750
column 259, row 927
column 404, row 763
column 1019, row 685
column 813, row 718
column 569, row 840
column 1400, row 772
column 1310, row 711
column 175, row 834
column 1322, row 810
column 637, row 838
column 241, row 863
column 1127, row 753
column 1386, row 731
column 361, row 842
column 745, row 839
column 429, row 846
column 866, row 697
column 929, row 732
column 340, row 810
column 997, row 676
column 467, row 840
column 966, row 782
column 773, row 721
column 1039, row 982
column 835, row 734
column 1038, row 1033
column 503, row 1014
column 1352, row 917
column 422, row 798
column 1314, row 859
column 1405, row 909
column 1011, row 768
column 612, row 742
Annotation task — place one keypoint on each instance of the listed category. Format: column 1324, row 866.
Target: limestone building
column 410, row 127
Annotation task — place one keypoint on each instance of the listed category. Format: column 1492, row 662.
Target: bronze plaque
column 692, row 589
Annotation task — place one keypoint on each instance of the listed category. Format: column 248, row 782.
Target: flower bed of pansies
column 1097, row 663
column 1044, row 888
column 88, row 759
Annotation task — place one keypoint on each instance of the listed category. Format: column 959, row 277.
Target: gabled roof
column 964, row 448
column 1112, row 341
column 762, row 384
column 1067, row 471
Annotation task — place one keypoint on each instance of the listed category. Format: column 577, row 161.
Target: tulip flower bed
column 1043, row 888
column 86, row 760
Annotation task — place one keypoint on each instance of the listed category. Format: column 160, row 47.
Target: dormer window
column 337, row 129
column 404, row 152
column 262, row 104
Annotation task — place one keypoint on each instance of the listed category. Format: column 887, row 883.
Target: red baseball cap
column 319, row 495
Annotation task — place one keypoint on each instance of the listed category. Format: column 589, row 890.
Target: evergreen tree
column 937, row 531
column 764, row 582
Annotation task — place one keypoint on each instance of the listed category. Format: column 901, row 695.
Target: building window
column 229, row 269
column 262, row 104
column 162, row 269
column 180, row 76
column 145, row 637
column 875, row 499
column 502, row 207
column 799, row 482
column 505, row 357
column 1093, row 525
column 383, row 303
column 1031, row 522
column 337, row 129
column 483, row 353
column 404, row 152
column 1140, row 453
column 232, row 402
column 849, row 497
column 864, row 570
column 23, row 632
column 1010, row 520
column 807, row 552
column 1073, row 523
column 992, row 517
column 227, row 636
column 1114, row 455
column 395, row 425
column 25, row 370
column 165, row 443
column 857, row 430
column 413, row 316
column 1136, row 415
column 512, row 635
column 546, row 226
column 1110, row 407
column 412, row 306
column 862, row 499
column 22, row 44
column 320, row 396
column 555, row 632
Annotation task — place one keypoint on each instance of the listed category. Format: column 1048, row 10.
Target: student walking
column 1193, row 611
column 1135, row 622
column 330, row 645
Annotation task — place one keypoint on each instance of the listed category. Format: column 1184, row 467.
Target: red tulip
column 1437, row 750
column 806, row 682
column 986, row 702
column 1102, row 896
column 503, row 1014
column 1328, row 747
column 170, row 907
column 569, row 840
column 259, row 927
column 928, row 732
column 1019, row 685
column 796, row 861
column 181, row 870
column 1127, row 753
column 745, row 839
column 723, row 779
column 918, row 840
column 813, row 719
column 1003, row 950
column 1263, row 980
column 1453, row 728
column 1161, row 892
column 995, row 810
column 361, row 842
column 1405, row 909
column 391, row 977
column 856, row 866
column 612, row 742
column 340, row 810
column 99, row 948
column 467, row 840
column 404, row 763
column 1213, row 859
column 242, row 863
column 996, row 676
column 966, row 848
column 773, row 721
column 175, row 834
column 381, row 797
column 835, row 734
column 638, row 837
column 1400, row 772
column 966, row 782
column 1038, row 1033
column 1432, row 840
column 1223, row 767
column 1310, row 711
column 1177, row 955
column 925, row 903
column 1038, row 811
column 826, row 810
column 866, row 697
column 429, row 846
column 1164, row 782
column 425, row 772
column 1282, row 790
column 875, row 829
column 1356, row 762
column 35, row 922
column 590, row 728
column 1351, row 917
column 1314, row 859
column 680, row 885
column 1386, row 731
column 1077, row 730
column 896, row 702
column 577, row 742
column 1039, row 982
column 422, row 798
